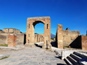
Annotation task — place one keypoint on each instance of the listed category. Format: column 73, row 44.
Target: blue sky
column 69, row 13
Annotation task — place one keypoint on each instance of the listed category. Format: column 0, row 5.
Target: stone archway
column 31, row 22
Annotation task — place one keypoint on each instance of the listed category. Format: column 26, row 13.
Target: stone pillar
column 47, row 35
column 60, row 36
column 11, row 40
column 30, row 33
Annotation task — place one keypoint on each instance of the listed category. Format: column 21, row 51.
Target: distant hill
column 52, row 35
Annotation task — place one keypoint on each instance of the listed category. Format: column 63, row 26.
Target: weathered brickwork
column 20, row 39
column 69, row 37
column 84, row 42
column 5, row 34
column 3, row 38
column 65, row 37
column 60, row 36
column 39, row 38
column 11, row 41
column 30, row 36
column 11, row 30
column 79, row 43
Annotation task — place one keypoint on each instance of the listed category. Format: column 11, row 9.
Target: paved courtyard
column 31, row 56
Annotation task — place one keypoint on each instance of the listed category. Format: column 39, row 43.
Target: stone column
column 60, row 37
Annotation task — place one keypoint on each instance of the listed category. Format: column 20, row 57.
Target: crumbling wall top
column 44, row 17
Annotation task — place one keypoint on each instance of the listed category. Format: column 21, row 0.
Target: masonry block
column 11, row 40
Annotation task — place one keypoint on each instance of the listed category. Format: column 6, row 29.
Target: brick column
column 11, row 40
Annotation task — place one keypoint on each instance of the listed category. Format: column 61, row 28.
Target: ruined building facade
column 72, row 39
column 65, row 37
column 8, row 34
column 30, row 36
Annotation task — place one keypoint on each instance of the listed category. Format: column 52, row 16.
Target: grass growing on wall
column 4, row 57
column 66, row 47
column 4, row 45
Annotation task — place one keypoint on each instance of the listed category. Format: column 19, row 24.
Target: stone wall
column 65, row 37
column 5, row 34
column 20, row 39
column 69, row 37
column 80, row 42
column 11, row 40
column 39, row 38
column 84, row 42
column 3, row 38
column 76, row 43
column 11, row 30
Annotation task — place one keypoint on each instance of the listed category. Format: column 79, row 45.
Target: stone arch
column 31, row 22
column 36, row 22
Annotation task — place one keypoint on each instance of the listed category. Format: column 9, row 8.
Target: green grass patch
column 4, row 45
column 4, row 57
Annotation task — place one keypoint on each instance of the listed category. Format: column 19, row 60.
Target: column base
column 47, row 46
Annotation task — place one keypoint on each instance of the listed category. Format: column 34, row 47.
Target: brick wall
column 65, row 37
column 84, row 42
column 11, row 40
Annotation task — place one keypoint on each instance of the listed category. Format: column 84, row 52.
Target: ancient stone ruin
column 70, row 45
column 70, row 39
column 64, row 38
column 7, row 36
column 30, row 36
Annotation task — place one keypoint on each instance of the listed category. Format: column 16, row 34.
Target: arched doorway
column 31, row 22
column 38, row 32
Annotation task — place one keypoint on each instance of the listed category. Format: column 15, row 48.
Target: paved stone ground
column 31, row 56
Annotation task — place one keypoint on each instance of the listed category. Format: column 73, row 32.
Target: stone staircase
column 76, row 58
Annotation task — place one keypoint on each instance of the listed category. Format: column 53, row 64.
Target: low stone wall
column 3, row 38
column 20, row 39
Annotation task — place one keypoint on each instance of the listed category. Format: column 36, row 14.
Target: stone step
column 67, row 61
column 77, row 58
column 84, row 57
column 83, row 63
column 73, row 61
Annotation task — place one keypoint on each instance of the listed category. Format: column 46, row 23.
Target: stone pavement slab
column 31, row 56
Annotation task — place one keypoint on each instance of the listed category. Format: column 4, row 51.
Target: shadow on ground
column 59, row 57
column 38, row 45
column 54, row 44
